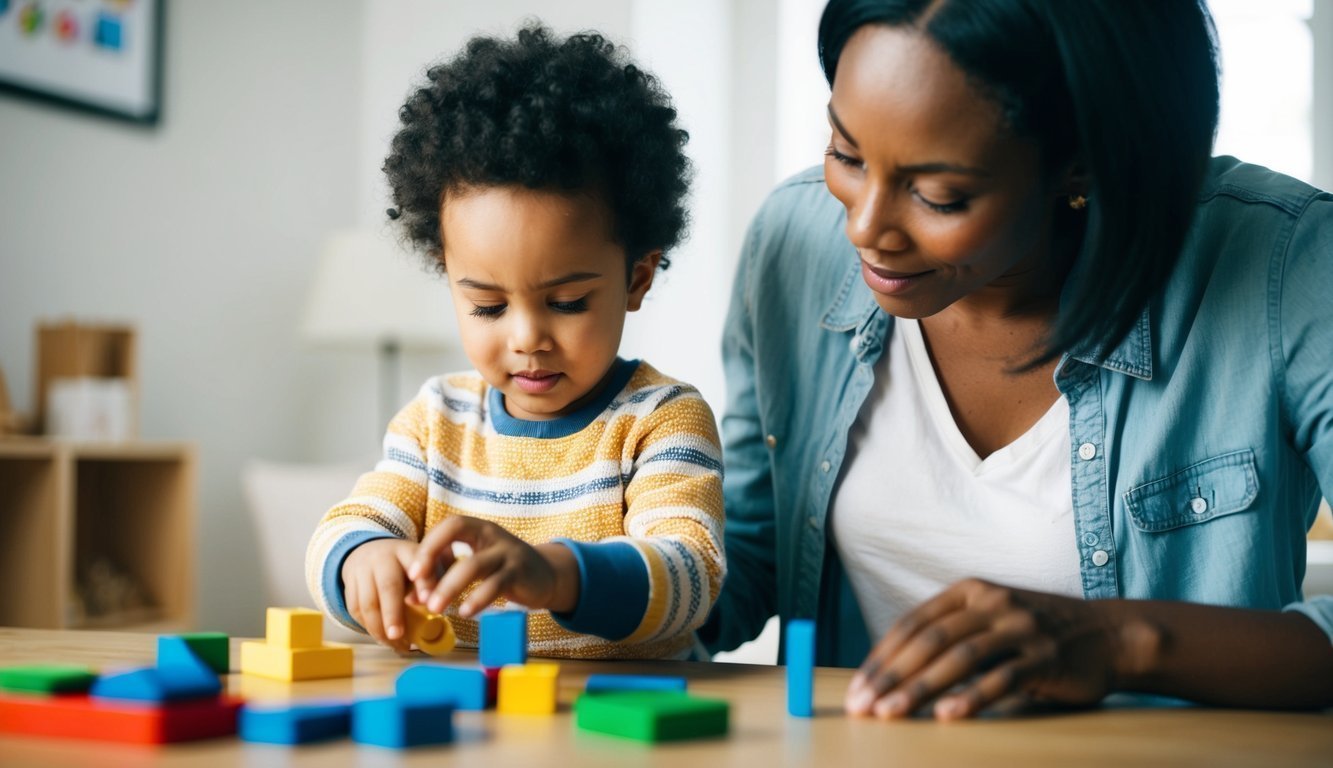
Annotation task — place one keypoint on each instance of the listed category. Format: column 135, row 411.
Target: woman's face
column 944, row 204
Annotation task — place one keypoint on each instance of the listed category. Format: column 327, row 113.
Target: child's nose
column 529, row 335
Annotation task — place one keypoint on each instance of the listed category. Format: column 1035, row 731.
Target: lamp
column 368, row 292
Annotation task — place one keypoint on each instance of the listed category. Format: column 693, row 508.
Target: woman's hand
column 545, row 576
column 374, row 582
column 976, row 643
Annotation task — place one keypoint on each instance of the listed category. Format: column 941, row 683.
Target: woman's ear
column 641, row 276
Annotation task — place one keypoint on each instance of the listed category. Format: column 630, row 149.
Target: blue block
column 155, row 685
column 399, row 723
column 463, row 687
column 608, row 683
column 800, row 667
column 504, row 638
column 295, row 725
column 107, row 33
column 177, row 661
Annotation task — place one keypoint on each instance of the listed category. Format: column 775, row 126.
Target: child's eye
column 570, row 307
column 487, row 310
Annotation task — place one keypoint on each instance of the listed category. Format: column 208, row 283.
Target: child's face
column 540, row 291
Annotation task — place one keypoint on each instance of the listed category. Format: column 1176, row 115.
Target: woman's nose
column 874, row 222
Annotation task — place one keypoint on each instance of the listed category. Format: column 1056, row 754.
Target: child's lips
column 536, row 382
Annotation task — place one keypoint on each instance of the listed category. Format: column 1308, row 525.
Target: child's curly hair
column 549, row 114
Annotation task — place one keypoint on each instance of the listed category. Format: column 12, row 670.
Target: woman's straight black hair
column 1125, row 90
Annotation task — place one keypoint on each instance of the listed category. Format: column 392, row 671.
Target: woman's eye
column 570, row 307
column 847, row 160
column 487, row 310
column 951, row 207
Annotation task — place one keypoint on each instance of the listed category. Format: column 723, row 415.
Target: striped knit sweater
column 632, row 483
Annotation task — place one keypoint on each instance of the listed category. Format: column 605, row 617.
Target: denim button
column 1100, row 558
column 1198, row 505
column 825, row 467
column 1090, row 539
column 814, row 521
column 771, row 441
column 1087, row 451
column 856, row 343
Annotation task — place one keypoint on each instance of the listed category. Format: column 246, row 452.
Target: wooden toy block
column 294, row 628
column 396, row 723
column 528, row 689
column 82, row 717
column 651, row 715
column 158, row 685
column 464, row 687
column 292, row 664
column 301, row 724
column 430, row 632
column 608, row 683
column 47, row 678
column 492, row 685
column 213, row 648
column 504, row 638
column 800, row 667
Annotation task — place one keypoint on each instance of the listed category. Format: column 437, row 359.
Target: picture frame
column 97, row 56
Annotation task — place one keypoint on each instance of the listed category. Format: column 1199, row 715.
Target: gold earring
column 1078, row 202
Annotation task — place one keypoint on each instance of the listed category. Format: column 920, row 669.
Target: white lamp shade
column 367, row 292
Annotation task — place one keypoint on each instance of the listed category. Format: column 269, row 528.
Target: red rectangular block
column 80, row 717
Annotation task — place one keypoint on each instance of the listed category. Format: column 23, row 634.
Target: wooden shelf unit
column 65, row 505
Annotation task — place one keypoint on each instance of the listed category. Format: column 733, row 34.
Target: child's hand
column 545, row 576
column 374, row 584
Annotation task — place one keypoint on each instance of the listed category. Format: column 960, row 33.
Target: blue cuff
column 333, row 569
column 613, row 590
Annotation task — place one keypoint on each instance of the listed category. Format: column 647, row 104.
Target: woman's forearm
column 1224, row 656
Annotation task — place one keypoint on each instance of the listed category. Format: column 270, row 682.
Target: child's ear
column 641, row 279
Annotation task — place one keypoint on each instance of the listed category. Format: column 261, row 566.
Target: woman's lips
column 536, row 382
column 887, row 281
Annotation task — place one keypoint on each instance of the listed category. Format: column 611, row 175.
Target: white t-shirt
column 917, row 509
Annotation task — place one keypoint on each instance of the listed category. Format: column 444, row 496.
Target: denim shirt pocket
column 1212, row 488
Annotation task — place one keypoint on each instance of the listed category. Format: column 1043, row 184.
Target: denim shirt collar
column 854, row 308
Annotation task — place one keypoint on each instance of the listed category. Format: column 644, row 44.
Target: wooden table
column 762, row 735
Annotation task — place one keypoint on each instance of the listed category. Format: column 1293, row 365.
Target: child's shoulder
column 649, row 389
column 463, row 392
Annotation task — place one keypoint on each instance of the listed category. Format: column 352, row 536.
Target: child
column 546, row 177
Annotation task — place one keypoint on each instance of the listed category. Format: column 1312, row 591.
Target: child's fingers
column 368, row 606
column 463, row 573
column 435, row 551
column 391, row 602
column 485, row 593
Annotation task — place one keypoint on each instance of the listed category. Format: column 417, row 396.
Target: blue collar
column 612, row 383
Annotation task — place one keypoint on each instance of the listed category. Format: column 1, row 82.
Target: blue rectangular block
column 156, row 685
column 608, row 683
column 398, row 723
column 800, row 667
column 464, row 687
column 504, row 638
column 295, row 725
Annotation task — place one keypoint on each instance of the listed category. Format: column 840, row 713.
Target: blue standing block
column 504, row 638
column 398, row 723
column 800, row 668
column 464, row 687
column 177, row 661
column 155, row 685
column 295, row 725
column 609, row 683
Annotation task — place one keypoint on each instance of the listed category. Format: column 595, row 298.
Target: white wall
column 202, row 232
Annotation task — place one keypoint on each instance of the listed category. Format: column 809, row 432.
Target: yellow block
column 294, row 628
column 528, row 689
column 291, row 664
column 431, row 632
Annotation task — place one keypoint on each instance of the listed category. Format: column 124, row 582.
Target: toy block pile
column 178, row 699
column 294, row 649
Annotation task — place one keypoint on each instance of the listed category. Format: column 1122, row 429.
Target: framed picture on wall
column 102, row 56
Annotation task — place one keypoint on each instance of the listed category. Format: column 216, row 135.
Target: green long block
column 652, row 715
column 47, row 678
column 213, row 648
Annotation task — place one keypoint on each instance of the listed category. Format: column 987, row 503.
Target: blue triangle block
column 186, row 670
column 147, row 684
column 295, row 725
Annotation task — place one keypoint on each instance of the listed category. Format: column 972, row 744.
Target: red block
column 492, row 684
column 80, row 717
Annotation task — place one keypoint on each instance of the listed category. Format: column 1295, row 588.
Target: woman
column 1027, row 394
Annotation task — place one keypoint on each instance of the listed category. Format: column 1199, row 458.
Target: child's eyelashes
column 492, row 311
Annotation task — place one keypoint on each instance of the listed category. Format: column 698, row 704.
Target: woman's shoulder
column 1254, row 190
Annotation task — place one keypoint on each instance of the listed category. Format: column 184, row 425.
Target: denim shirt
column 1198, row 446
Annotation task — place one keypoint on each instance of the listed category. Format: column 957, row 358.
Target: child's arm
column 352, row 581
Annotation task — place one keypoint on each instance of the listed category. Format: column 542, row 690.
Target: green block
column 47, row 678
column 652, row 715
column 214, row 648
